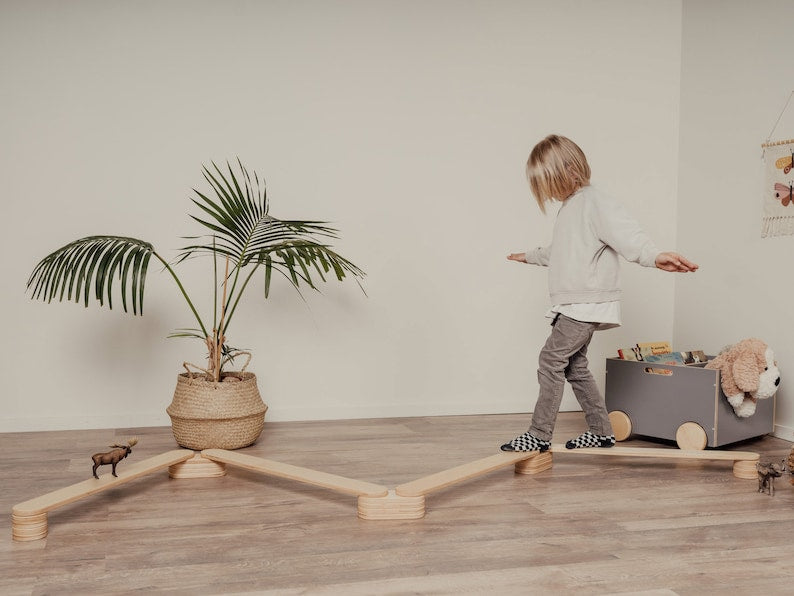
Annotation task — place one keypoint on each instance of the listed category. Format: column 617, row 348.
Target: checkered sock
column 526, row 442
column 588, row 439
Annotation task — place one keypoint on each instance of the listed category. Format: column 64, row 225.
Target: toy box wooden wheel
column 690, row 436
column 621, row 425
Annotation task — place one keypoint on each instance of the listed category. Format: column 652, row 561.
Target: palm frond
column 229, row 353
column 237, row 218
column 72, row 271
column 302, row 259
column 240, row 227
column 191, row 333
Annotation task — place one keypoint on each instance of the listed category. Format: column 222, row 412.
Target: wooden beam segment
column 461, row 473
column 659, row 453
column 290, row 472
column 126, row 473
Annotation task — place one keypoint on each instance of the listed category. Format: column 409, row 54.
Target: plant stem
column 182, row 289
column 214, row 285
column 240, row 295
column 220, row 334
column 238, row 267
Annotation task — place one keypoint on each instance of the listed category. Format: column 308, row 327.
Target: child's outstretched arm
column 536, row 256
column 672, row 261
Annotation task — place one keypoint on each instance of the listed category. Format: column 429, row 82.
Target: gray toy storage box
column 658, row 404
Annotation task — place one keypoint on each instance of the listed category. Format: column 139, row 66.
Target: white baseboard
column 783, row 432
column 137, row 420
column 278, row 414
column 290, row 414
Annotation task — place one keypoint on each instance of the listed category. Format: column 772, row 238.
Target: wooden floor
column 590, row 525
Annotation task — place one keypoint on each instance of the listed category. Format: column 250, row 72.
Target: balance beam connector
column 407, row 501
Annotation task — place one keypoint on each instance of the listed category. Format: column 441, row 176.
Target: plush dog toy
column 749, row 373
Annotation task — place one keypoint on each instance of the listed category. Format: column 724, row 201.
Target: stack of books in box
column 662, row 353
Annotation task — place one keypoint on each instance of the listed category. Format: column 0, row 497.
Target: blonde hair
column 556, row 169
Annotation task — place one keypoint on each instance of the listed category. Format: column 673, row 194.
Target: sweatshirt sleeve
column 538, row 256
column 617, row 228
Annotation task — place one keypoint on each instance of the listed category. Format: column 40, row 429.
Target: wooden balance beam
column 743, row 461
column 462, row 473
column 375, row 502
column 407, row 501
column 29, row 519
column 269, row 467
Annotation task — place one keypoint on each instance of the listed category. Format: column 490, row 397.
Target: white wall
column 406, row 124
column 734, row 84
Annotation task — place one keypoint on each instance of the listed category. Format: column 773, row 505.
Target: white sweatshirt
column 590, row 231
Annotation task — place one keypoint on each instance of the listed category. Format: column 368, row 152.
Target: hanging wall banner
column 778, row 208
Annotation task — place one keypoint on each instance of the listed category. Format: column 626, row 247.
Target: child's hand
column 521, row 257
column 672, row 261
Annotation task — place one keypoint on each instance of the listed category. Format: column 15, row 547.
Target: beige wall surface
column 734, row 85
column 407, row 125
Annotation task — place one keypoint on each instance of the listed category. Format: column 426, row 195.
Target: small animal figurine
column 767, row 474
column 113, row 457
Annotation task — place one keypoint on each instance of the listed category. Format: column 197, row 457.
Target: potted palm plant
column 212, row 407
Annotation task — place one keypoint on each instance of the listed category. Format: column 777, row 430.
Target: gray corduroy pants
column 564, row 357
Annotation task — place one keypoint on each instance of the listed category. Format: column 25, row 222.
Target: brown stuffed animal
column 749, row 373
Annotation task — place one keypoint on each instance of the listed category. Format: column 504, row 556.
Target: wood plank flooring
column 590, row 525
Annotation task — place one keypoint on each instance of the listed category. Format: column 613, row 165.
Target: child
column 590, row 231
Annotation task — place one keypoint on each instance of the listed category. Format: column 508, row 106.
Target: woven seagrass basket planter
column 209, row 415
